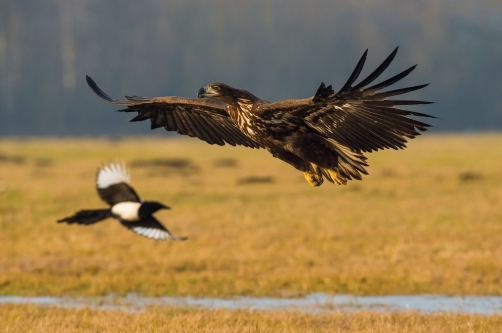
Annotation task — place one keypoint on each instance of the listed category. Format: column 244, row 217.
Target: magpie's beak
column 164, row 206
column 201, row 93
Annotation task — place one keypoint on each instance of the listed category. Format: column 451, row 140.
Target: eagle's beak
column 201, row 93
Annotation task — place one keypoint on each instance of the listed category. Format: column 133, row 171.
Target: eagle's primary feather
column 324, row 136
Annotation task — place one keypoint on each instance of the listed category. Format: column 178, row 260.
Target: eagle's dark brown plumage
column 324, row 136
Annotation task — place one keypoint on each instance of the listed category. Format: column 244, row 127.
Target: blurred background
column 275, row 49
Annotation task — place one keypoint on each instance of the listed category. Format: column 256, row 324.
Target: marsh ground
column 31, row 318
column 427, row 220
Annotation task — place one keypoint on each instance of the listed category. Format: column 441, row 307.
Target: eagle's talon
column 313, row 179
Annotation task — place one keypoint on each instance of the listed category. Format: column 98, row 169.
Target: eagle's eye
column 216, row 88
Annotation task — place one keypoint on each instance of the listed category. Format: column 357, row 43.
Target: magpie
column 113, row 185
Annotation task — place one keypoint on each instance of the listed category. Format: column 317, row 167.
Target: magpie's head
column 150, row 207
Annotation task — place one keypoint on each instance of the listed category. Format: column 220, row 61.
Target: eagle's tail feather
column 351, row 164
column 326, row 175
column 337, row 176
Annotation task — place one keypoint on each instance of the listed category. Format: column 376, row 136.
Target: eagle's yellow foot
column 337, row 178
column 314, row 179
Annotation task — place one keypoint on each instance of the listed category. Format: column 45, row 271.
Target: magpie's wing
column 151, row 228
column 112, row 183
column 205, row 119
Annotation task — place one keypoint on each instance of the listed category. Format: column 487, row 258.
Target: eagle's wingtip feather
column 355, row 74
column 101, row 94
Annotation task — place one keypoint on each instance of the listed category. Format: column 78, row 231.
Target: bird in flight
column 113, row 185
column 324, row 136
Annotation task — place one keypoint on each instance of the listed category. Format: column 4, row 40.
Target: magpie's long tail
column 87, row 216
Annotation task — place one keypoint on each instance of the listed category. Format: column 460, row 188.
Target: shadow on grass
column 166, row 166
column 255, row 180
column 469, row 176
column 14, row 159
column 225, row 163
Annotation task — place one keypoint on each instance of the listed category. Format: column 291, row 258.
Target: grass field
column 30, row 319
column 427, row 220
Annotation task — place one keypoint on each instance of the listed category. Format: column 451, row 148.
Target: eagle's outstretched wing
column 205, row 119
column 360, row 117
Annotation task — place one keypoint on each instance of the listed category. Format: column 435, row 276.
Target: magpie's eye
column 216, row 88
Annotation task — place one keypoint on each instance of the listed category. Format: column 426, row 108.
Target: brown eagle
column 324, row 136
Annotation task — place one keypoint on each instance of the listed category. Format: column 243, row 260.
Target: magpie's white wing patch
column 111, row 174
column 152, row 233
column 151, row 228
column 112, row 183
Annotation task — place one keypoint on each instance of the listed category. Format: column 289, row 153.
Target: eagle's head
column 225, row 93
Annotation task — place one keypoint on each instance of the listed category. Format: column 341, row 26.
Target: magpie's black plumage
column 324, row 136
column 125, row 205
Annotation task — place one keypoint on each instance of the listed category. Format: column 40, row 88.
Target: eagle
column 324, row 136
column 113, row 186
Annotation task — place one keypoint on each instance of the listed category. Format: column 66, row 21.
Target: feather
column 181, row 126
column 323, row 92
column 141, row 117
column 376, row 73
column 101, row 94
column 188, row 125
column 392, row 80
column 158, row 121
column 355, row 73
column 396, row 92
column 170, row 124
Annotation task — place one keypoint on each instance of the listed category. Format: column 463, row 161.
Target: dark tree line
column 275, row 49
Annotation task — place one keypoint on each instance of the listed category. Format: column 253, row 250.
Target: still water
column 487, row 305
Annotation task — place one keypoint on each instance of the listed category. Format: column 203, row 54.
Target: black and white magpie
column 113, row 185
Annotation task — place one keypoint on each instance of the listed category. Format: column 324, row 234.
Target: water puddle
column 488, row 305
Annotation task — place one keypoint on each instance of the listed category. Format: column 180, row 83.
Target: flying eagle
column 133, row 213
column 324, row 136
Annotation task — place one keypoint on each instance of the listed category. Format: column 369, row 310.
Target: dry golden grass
column 32, row 318
column 427, row 220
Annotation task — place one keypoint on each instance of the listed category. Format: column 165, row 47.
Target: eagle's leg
column 312, row 172
column 316, row 150
column 314, row 175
